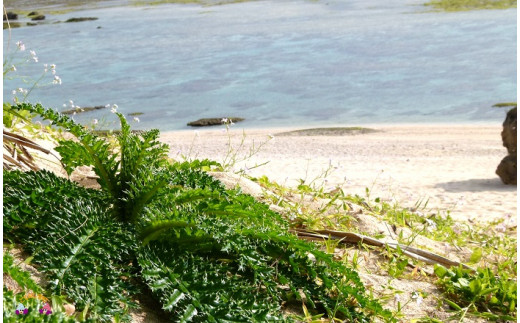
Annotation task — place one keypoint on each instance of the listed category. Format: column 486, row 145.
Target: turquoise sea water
column 280, row 63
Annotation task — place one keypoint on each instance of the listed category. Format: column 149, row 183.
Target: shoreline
column 450, row 166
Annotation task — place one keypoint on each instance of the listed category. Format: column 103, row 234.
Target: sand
column 450, row 166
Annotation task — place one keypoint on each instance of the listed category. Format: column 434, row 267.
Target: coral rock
column 506, row 170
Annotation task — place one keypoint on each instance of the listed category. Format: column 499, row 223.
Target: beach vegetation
column 464, row 5
column 491, row 247
column 483, row 293
column 205, row 252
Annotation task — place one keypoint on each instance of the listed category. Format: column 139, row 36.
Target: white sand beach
column 451, row 166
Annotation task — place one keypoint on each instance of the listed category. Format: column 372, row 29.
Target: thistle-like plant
column 208, row 254
column 131, row 173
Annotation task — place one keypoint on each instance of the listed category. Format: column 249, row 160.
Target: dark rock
column 39, row 17
column 80, row 19
column 33, row 13
column 212, row 122
column 506, row 170
column 10, row 16
column 80, row 110
column 509, row 131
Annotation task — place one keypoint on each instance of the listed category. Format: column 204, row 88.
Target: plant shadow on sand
column 476, row 185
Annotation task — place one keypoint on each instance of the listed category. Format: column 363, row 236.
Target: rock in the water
column 81, row 19
column 213, row 121
column 86, row 109
column 10, row 16
column 506, row 170
column 38, row 17
column 33, row 13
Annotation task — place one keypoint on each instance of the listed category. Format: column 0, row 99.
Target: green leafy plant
column 131, row 175
column 73, row 239
column 484, row 293
column 207, row 253
column 21, row 277
column 12, row 299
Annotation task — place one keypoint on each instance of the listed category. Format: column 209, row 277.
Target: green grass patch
column 464, row 5
column 505, row 105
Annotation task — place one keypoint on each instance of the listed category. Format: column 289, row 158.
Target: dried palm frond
column 16, row 154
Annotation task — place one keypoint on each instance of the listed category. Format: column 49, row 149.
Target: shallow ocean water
column 279, row 63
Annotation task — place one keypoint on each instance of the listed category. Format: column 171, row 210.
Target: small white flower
column 311, row 257
column 21, row 45
column 33, row 56
column 417, row 297
column 13, row 68
column 57, row 80
column 224, row 120
column 431, row 223
column 115, row 106
column 136, row 119
column 397, row 298
column 95, row 121
column 500, row 227
column 113, row 110
column 14, row 92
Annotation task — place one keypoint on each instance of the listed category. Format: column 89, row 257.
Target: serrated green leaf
column 189, row 313
column 176, row 296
